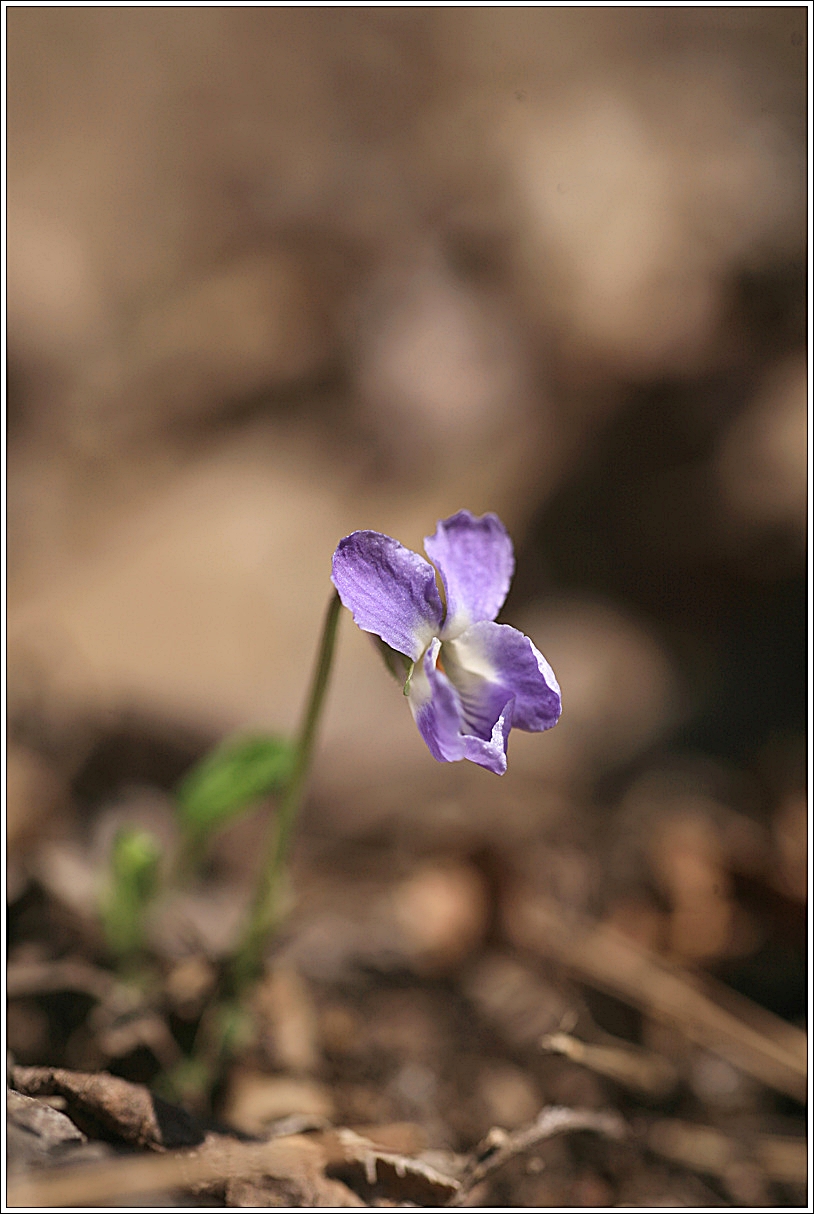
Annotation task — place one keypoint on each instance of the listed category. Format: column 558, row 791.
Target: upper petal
column 445, row 724
column 390, row 590
column 492, row 663
column 476, row 561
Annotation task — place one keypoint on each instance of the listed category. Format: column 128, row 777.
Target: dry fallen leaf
column 296, row 1162
column 35, row 1131
column 387, row 1174
column 126, row 1110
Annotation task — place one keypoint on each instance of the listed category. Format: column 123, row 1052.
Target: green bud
column 132, row 884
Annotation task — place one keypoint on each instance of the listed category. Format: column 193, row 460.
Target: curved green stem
column 264, row 914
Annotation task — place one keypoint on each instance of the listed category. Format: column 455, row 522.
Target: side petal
column 436, row 707
column 490, row 664
column 390, row 590
column 475, row 558
column 442, row 719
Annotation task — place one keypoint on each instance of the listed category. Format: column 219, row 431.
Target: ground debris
column 752, row 1039
column 104, row 1104
column 284, row 1168
column 499, row 1147
column 706, row 1149
column 388, row 1174
column 629, row 1065
column 36, row 1131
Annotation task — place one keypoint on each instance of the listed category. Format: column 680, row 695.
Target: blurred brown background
column 275, row 274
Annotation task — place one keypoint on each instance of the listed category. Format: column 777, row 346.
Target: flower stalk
column 264, row 915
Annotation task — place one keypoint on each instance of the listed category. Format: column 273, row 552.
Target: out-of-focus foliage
column 235, row 776
column 132, row 883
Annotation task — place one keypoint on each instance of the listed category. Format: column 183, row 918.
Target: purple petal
column 390, row 590
column 490, row 664
column 491, row 753
column 436, row 707
column 476, row 561
column 443, row 722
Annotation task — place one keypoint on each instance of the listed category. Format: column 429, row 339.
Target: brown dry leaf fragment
column 288, row 1020
column 323, row 1194
column 297, row 1163
column 255, row 1100
column 258, row 1194
column 127, row 1110
column 35, row 1131
column 400, row 1137
column 400, row 1177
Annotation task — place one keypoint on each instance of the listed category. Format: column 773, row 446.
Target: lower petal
column 444, row 723
column 491, row 753
column 491, row 664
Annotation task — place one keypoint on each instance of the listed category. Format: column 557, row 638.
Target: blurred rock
column 510, row 1096
column 188, row 986
column 442, row 911
column 716, row 1082
column 790, row 831
column 762, row 466
column 444, row 361
column 67, row 872
column 27, row 1030
column 688, row 861
column 620, row 692
column 255, row 325
column 33, row 792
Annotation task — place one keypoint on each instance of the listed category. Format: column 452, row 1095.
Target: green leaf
column 231, row 778
column 132, row 884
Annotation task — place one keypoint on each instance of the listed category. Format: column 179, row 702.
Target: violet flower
column 469, row 680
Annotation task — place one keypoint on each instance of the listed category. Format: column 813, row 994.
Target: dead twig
column 635, row 1068
column 752, row 1039
column 499, row 1146
column 706, row 1149
column 24, row 979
